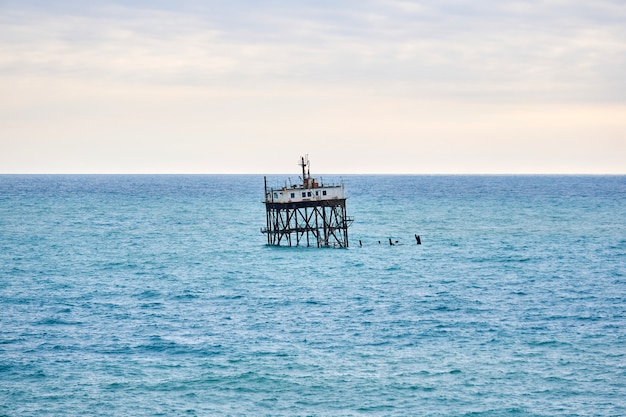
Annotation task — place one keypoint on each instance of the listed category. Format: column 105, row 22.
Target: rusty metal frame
column 323, row 222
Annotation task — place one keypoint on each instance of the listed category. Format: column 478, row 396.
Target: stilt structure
column 309, row 213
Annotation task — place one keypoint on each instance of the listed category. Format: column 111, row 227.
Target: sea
column 157, row 295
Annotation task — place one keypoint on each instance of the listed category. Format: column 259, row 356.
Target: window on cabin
column 317, row 193
column 303, row 194
column 324, row 192
column 309, row 194
column 293, row 195
column 275, row 195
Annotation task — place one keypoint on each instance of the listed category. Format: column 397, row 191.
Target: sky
column 367, row 86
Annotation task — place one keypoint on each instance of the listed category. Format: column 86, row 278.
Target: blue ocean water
column 156, row 295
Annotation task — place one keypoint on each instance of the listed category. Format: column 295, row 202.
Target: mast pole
column 303, row 165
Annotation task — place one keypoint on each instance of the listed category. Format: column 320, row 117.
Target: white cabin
column 309, row 190
column 299, row 194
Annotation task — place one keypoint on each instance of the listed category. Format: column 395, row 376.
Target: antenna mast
column 304, row 163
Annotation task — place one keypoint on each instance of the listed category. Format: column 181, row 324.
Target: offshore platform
column 309, row 213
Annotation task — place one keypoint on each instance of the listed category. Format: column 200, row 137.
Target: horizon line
column 324, row 174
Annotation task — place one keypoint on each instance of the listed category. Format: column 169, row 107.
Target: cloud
column 191, row 86
column 504, row 50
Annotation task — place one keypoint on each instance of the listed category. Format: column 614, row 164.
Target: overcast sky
column 367, row 86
